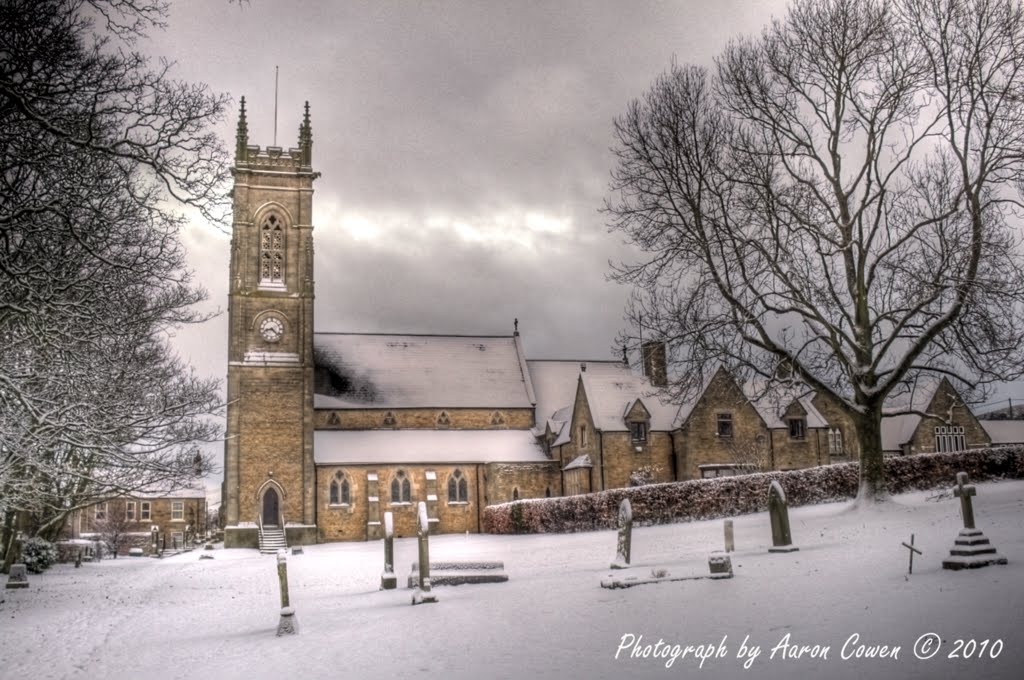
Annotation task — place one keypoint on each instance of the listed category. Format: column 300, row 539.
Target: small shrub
column 38, row 554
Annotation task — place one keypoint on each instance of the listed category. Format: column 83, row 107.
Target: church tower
column 269, row 477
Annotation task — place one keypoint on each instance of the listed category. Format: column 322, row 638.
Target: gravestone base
column 783, row 548
column 288, row 624
column 388, row 580
column 972, row 550
column 421, row 597
column 18, row 578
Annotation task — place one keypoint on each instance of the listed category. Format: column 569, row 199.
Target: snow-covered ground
column 182, row 617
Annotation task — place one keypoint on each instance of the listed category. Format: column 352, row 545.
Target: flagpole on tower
column 275, row 105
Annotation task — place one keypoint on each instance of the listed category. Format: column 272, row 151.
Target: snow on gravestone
column 625, row 539
column 287, row 624
column 423, row 594
column 388, row 580
column 778, row 513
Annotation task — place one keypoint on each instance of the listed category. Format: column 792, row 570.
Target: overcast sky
column 464, row 146
column 464, row 149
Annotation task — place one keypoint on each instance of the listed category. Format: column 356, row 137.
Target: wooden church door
column 270, row 507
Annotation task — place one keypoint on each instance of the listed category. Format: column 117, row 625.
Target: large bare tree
column 835, row 202
column 100, row 152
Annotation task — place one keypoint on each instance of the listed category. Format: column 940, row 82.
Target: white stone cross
column 964, row 491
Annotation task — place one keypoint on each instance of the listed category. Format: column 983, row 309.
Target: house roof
column 610, row 396
column 554, row 381
column 355, row 370
column 771, row 403
column 348, row 447
column 898, row 429
column 1003, row 432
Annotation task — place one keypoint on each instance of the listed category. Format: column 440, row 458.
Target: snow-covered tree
column 100, row 151
column 834, row 203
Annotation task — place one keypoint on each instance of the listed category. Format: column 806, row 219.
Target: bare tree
column 99, row 150
column 116, row 529
column 834, row 203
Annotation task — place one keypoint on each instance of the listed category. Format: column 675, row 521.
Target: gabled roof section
column 356, row 370
column 772, row 403
column 554, row 381
column 609, row 396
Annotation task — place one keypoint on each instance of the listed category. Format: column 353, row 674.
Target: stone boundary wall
column 701, row 499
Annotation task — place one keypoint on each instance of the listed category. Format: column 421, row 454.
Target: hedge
column 700, row 499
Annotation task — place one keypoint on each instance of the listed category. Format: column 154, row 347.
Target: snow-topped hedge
column 726, row 496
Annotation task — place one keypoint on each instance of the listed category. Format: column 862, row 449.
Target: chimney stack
column 655, row 362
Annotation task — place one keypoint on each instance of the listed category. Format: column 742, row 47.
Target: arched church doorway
column 271, row 507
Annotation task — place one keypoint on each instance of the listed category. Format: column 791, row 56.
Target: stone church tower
column 268, row 454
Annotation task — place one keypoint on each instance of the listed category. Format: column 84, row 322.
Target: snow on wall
column 700, row 499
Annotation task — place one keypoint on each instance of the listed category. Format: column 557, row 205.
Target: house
column 177, row 519
column 938, row 420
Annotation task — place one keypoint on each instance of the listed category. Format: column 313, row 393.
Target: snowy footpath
column 840, row 607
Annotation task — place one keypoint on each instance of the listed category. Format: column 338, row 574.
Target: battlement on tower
column 270, row 158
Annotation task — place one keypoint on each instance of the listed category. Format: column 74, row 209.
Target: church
column 328, row 431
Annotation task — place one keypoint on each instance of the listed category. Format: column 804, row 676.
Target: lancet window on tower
column 272, row 250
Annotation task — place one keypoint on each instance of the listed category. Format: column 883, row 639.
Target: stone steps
column 972, row 550
column 272, row 540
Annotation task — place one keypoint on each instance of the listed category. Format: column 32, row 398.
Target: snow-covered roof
column 610, row 395
column 897, row 430
column 771, row 403
column 192, row 492
column 346, row 447
column 1004, row 431
column 579, row 462
column 554, row 382
column 355, row 370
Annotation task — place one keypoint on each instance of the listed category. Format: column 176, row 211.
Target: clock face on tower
column 271, row 329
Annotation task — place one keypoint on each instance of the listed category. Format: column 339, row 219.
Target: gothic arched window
column 341, row 490
column 401, row 488
column 458, row 488
column 272, row 250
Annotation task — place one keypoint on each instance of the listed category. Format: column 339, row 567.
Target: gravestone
column 423, row 594
column 730, row 545
column 18, row 576
column 287, row 624
column 388, row 580
column 778, row 512
column 720, row 565
column 625, row 540
column 971, row 549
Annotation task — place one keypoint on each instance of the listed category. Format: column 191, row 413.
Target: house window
column 129, row 511
column 341, row 490
column 950, row 438
column 835, row 442
column 401, row 488
column 638, row 432
column 583, row 434
column 178, row 511
column 272, row 250
column 101, row 511
column 458, row 488
column 723, row 427
column 797, row 428
column 145, row 511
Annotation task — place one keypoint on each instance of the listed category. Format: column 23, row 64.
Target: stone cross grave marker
column 624, row 545
column 912, row 550
column 964, row 491
column 18, row 576
column 971, row 549
column 388, row 580
column 423, row 594
column 730, row 544
column 778, row 512
column 288, row 624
